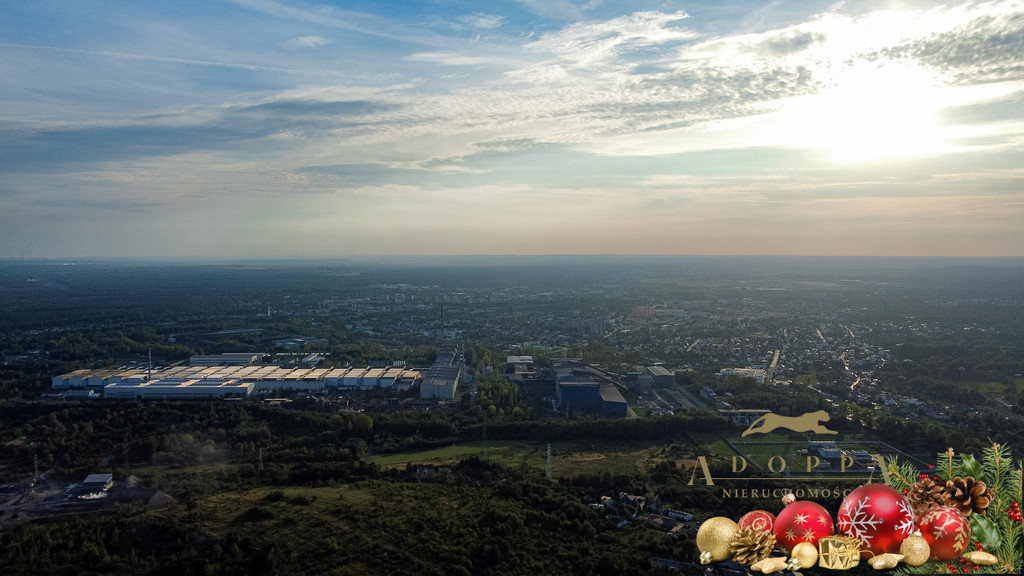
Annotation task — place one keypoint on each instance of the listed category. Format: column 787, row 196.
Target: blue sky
column 247, row 128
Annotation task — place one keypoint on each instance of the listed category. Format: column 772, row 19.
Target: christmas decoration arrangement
column 960, row 516
column 967, row 511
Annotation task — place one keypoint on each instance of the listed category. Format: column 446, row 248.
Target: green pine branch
column 901, row 476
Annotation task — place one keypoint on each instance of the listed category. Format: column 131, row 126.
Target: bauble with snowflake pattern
column 879, row 516
column 801, row 521
column 947, row 531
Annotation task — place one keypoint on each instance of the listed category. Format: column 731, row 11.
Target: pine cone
column 967, row 495
column 925, row 494
column 751, row 545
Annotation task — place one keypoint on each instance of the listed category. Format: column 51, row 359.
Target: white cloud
column 306, row 42
column 482, row 21
column 326, row 15
column 446, row 58
column 594, row 45
column 562, row 9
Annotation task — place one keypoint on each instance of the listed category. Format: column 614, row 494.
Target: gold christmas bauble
column 806, row 553
column 915, row 550
column 714, row 537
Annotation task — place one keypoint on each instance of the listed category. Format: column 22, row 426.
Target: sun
column 869, row 113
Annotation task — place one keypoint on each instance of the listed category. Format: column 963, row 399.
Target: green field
column 434, row 456
column 507, row 453
column 567, row 459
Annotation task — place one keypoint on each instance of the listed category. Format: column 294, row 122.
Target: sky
column 284, row 128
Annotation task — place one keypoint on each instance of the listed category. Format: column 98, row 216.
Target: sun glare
column 868, row 114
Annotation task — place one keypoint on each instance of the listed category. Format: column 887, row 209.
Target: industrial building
column 234, row 381
column 442, row 380
column 174, row 389
column 643, row 380
column 520, row 367
column 580, row 390
column 97, row 482
column 661, row 375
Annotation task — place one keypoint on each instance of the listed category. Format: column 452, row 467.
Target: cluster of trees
column 501, row 398
column 478, row 355
column 101, row 347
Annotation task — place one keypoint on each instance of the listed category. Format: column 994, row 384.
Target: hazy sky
column 312, row 128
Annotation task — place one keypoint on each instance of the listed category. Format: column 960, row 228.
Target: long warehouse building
column 227, row 381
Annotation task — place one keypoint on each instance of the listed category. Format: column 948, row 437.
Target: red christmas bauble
column 801, row 521
column 879, row 516
column 947, row 531
column 758, row 520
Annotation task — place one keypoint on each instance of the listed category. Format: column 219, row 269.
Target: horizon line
column 268, row 258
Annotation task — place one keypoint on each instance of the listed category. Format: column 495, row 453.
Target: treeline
column 629, row 430
column 178, row 436
column 190, row 449
column 412, row 431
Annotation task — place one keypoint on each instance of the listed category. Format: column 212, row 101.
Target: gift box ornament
column 838, row 552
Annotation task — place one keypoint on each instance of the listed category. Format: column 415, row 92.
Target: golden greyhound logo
column 838, row 461
column 809, row 422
